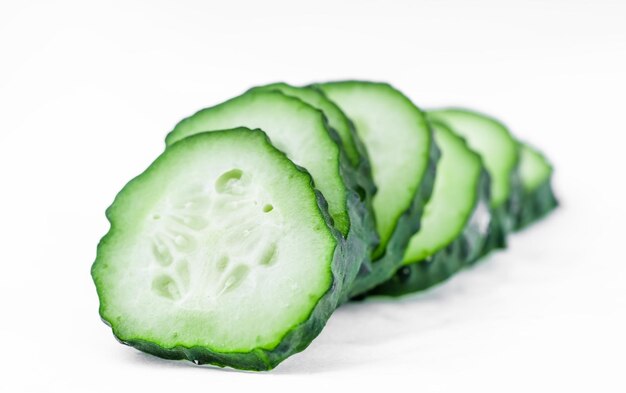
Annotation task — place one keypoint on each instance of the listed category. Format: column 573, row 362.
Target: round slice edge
column 220, row 252
column 403, row 156
column 455, row 221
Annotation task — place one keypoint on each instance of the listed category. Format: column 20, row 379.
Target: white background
column 88, row 91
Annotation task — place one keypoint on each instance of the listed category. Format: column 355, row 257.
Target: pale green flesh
column 534, row 168
column 491, row 140
column 454, row 196
column 219, row 244
column 336, row 119
column 397, row 139
column 293, row 127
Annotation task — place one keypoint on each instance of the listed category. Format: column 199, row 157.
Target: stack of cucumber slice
column 267, row 212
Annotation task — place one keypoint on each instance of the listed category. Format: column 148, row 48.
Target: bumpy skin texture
column 360, row 237
column 259, row 359
column 363, row 182
column 502, row 215
column 358, row 178
column 336, row 118
column 535, row 205
column 504, row 218
column 442, row 265
column 375, row 271
column 497, row 232
column 537, row 199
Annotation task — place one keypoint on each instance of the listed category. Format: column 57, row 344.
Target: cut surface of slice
column 301, row 131
column 294, row 127
column 455, row 221
column 399, row 144
column 220, row 252
column 341, row 127
column 337, row 120
column 537, row 196
column 492, row 140
column 500, row 154
column 454, row 198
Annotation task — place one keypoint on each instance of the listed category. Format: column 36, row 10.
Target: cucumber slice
column 455, row 220
column 300, row 131
column 341, row 126
column 293, row 126
column 403, row 156
column 220, row 252
column 537, row 197
column 336, row 118
column 500, row 154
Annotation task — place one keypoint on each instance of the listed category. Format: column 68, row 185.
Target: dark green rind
column 536, row 200
column 464, row 249
column 259, row 359
column 536, row 205
column 443, row 264
column 502, row 216
column 359, row 158
column 515, row 202
column 383, row 269
column 318, row 100
column 376, row 271
column 497, row 232
column 358, row 180
column 361, row 236
column 240, row 111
